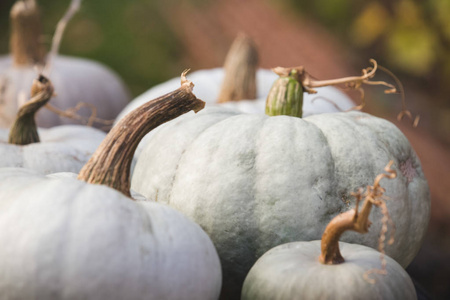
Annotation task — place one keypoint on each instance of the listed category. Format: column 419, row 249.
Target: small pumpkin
column 64, row 238
column 256, row 181
column 318, row 270
column 64, row 148
column 75, row 79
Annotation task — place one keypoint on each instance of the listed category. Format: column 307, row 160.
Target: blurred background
column 148, row 41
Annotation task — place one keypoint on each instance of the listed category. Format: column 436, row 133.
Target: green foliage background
column 133, row 37
column 412, row 36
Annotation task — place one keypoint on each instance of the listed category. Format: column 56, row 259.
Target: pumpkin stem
column 111, row 163
column 57, row 37
column 25, row 42
column 240, row 69
column 286, row 95
column 24, row 129
column 353, row 219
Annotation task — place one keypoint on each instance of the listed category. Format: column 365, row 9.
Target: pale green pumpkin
column 328, row 269
column 253, row 181
column 292, row 271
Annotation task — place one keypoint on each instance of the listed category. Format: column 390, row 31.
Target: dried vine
column 358, row 220
column 353, row 83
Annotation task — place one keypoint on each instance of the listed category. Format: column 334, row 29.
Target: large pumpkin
column 64, row 238
column 253, row 181
column 76, row 80
column 64, row 148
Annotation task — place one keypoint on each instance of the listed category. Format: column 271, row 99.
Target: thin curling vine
column 310, row 84
column 358, row 220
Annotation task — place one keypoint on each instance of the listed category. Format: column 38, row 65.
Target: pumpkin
column 75, row 79
column 65, row 238
column 256, row 181
column 209, row 81
column 318, row 270
column 62, row 148
column 241, row 85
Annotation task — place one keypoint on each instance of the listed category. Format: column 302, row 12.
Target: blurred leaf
column 371, row 23
column 441, row 9
column 412, row 49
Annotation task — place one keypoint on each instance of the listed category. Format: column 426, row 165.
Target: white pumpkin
column 64, row 148
column 209, row 81
column 59, row 149
column 318, row 270
column 65, row 238
column 253, row 182
column 293, row 271
column 75, row 79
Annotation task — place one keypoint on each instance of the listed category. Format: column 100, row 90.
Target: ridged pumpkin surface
column 65, row 239
column 253, row 182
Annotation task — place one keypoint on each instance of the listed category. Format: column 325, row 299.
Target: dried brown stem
column 24, row 129
column 110, row 164
column 25, row 42
column 57, row 37
column 353, row 219
column 240, row 69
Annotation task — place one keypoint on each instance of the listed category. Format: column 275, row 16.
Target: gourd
column 64, row 238
column 256, row 181
column 318, row 270
column 64, row 148
column 75, row 79
column 242, row 86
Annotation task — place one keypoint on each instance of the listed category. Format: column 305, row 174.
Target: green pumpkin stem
column 353, row 219
column 24, row 129
column 286, row 94
column 26, row 36
column 240, row 68
column 111, row 163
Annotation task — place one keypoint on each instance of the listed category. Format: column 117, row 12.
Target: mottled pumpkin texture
column 254, row 182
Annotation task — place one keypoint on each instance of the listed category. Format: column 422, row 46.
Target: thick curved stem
column 352, row 219
column 240, row 69
column 25, row 42
column 24, row 129
column 110, row 165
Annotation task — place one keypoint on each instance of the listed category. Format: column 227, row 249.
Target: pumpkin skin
column 75, row 80
column 209, row 81
column 254, row 182
column 62, row 149
column 65, row 239
column 292, row 271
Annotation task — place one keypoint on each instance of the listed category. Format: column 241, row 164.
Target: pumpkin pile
column 228, row 201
